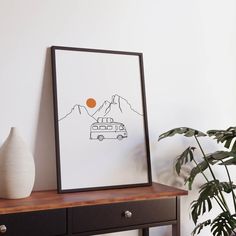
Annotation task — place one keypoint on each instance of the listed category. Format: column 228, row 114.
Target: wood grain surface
column 46, row 200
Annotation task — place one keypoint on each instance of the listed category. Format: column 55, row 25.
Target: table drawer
column 46, row 223
column 101, row 217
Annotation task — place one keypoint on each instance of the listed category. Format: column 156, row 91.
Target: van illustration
column 106, row 128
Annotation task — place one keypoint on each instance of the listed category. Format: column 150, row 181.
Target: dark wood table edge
column 50, row 199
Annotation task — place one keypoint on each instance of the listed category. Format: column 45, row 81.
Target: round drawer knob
column 128, row 214
column 3, row 229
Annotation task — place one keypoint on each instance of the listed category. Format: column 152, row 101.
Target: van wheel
column 120, row 137
column 100, row 137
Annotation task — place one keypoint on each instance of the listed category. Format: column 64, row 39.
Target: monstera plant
column 213, row 191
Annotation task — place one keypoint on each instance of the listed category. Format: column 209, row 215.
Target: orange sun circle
column 91, row 102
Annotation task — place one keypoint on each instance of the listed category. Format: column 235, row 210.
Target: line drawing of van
column 106, row 128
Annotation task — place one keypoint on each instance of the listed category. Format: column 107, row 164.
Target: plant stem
column 200, row 170
column 212, row 173
column 219, row 201
column 232, row 190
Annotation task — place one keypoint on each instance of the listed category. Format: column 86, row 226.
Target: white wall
column 189, row 54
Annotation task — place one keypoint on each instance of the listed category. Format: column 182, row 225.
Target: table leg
column 145, row 232
column 176, row 227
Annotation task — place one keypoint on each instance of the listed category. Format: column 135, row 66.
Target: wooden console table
column 47, row 213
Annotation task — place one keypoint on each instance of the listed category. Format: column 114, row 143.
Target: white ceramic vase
column 17, row 169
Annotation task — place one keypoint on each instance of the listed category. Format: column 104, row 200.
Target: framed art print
column 100, row 119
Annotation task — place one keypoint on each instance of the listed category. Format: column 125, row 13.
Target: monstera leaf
column 200, row 226
column 231, row 161
column 229, row 156
column 213, row 191
column 188, row 132
column 223, row 224
column 222, row 155
column 203, row 203
column 225, row 136
column 185, row 157
column 206, row 193
column 212, row 159
column 201, row 167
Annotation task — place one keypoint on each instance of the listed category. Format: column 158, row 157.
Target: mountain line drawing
column 117, row 104
column 106, row 107
column 80, row 110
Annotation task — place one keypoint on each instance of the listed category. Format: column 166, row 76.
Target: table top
column 46, row 200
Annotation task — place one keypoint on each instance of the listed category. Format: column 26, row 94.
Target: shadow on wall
column 164, row 160
column 139, row 158
column 44, row 151
column 163, row 163
column 168, row 176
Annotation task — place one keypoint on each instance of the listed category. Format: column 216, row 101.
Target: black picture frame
column 75, row 71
